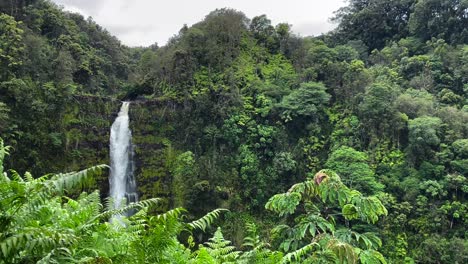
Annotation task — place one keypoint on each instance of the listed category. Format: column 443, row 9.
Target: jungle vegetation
column 348, row 147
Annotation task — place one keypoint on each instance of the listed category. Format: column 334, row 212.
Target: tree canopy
column 347, row 147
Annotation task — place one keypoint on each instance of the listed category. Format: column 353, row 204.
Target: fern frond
column 259, row 252
column 34, row 238
column 171, row 214
column 252, row 240
column 57, row 256
column 299, row 254
column 28, row 176
column 68, row 181
column 108, row 203
column 221, row 249
column 206, row 220
column 39, row 191
column 15, row 176
column 137, row 205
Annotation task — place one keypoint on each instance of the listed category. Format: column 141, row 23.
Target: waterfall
column 122, row 181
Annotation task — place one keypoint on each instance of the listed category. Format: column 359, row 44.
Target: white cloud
column 144, row 22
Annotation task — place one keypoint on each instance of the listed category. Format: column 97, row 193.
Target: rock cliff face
column 87, row 142
column 162, row 130
column 87, row 136
column 153, row 133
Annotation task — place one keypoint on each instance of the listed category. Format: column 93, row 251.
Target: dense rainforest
column 252, row 144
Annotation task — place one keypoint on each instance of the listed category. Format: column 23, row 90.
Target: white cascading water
column 122, row 181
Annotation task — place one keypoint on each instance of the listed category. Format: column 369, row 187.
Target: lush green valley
column 252, row 144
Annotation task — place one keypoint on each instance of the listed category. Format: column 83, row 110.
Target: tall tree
column 11, row 46
column 444, row 19
column 373, row 21
column 354, row 169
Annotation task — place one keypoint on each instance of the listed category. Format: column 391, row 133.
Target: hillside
column 231, row 113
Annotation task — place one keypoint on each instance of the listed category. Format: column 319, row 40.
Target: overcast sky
column 144, row 22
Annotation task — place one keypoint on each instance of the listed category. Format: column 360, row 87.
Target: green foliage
column 451, row 251
column 440, row 19
column 304, row 102
column 183, row 177
column 259, row 251
column 35, row 224
column 41, row 225
column 220, row 249
column 377, row 109
column 11, row 46
column 318, row 225
column 284, row 203
column 353, row 167
column 299, row 254
column 423, row 136
column 232, row 111
column 415, row 103
column 206, row 220
column 373, row 22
